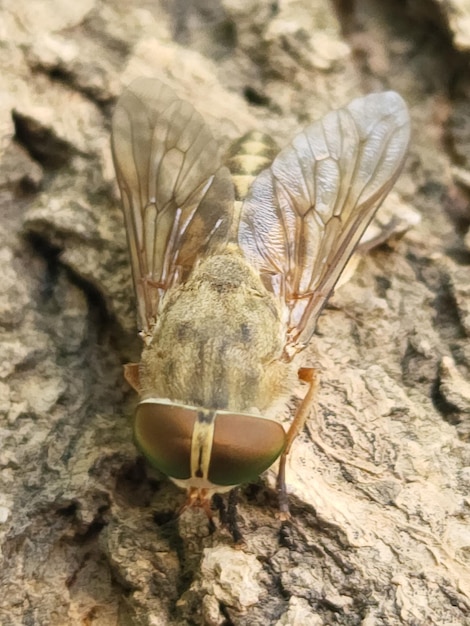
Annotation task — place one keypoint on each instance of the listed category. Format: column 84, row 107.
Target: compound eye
column 163, row 434
column 243, row 447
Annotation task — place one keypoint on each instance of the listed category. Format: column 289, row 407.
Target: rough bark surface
column 380, row 533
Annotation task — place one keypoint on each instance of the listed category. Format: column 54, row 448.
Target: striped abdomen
column 247, row 157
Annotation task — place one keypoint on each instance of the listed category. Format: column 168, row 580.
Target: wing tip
column 390, row 103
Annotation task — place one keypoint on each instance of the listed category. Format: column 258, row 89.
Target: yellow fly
column 230, row 281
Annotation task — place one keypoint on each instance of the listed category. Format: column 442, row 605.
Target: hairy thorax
column 219, row 340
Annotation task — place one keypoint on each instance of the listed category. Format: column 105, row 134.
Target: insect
column 230, row 279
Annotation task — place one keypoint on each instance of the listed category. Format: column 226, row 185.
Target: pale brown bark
column 379, row 480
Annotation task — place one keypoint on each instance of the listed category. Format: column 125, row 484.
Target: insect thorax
column 218, row 340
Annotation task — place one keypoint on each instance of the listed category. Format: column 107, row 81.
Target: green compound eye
column 163, row 433
column 240, row 447
column 243, row 447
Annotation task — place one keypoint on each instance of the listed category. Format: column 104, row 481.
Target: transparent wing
column 305, row 214
column 176, row 196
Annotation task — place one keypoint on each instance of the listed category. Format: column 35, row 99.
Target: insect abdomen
column 247, row 157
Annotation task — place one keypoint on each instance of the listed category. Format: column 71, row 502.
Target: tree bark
column 379, row 478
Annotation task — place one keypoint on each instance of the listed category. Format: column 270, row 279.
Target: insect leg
column 308, row 375
column 219, row 505
column 228, row 515
column 382, row 237
column 132, row 376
